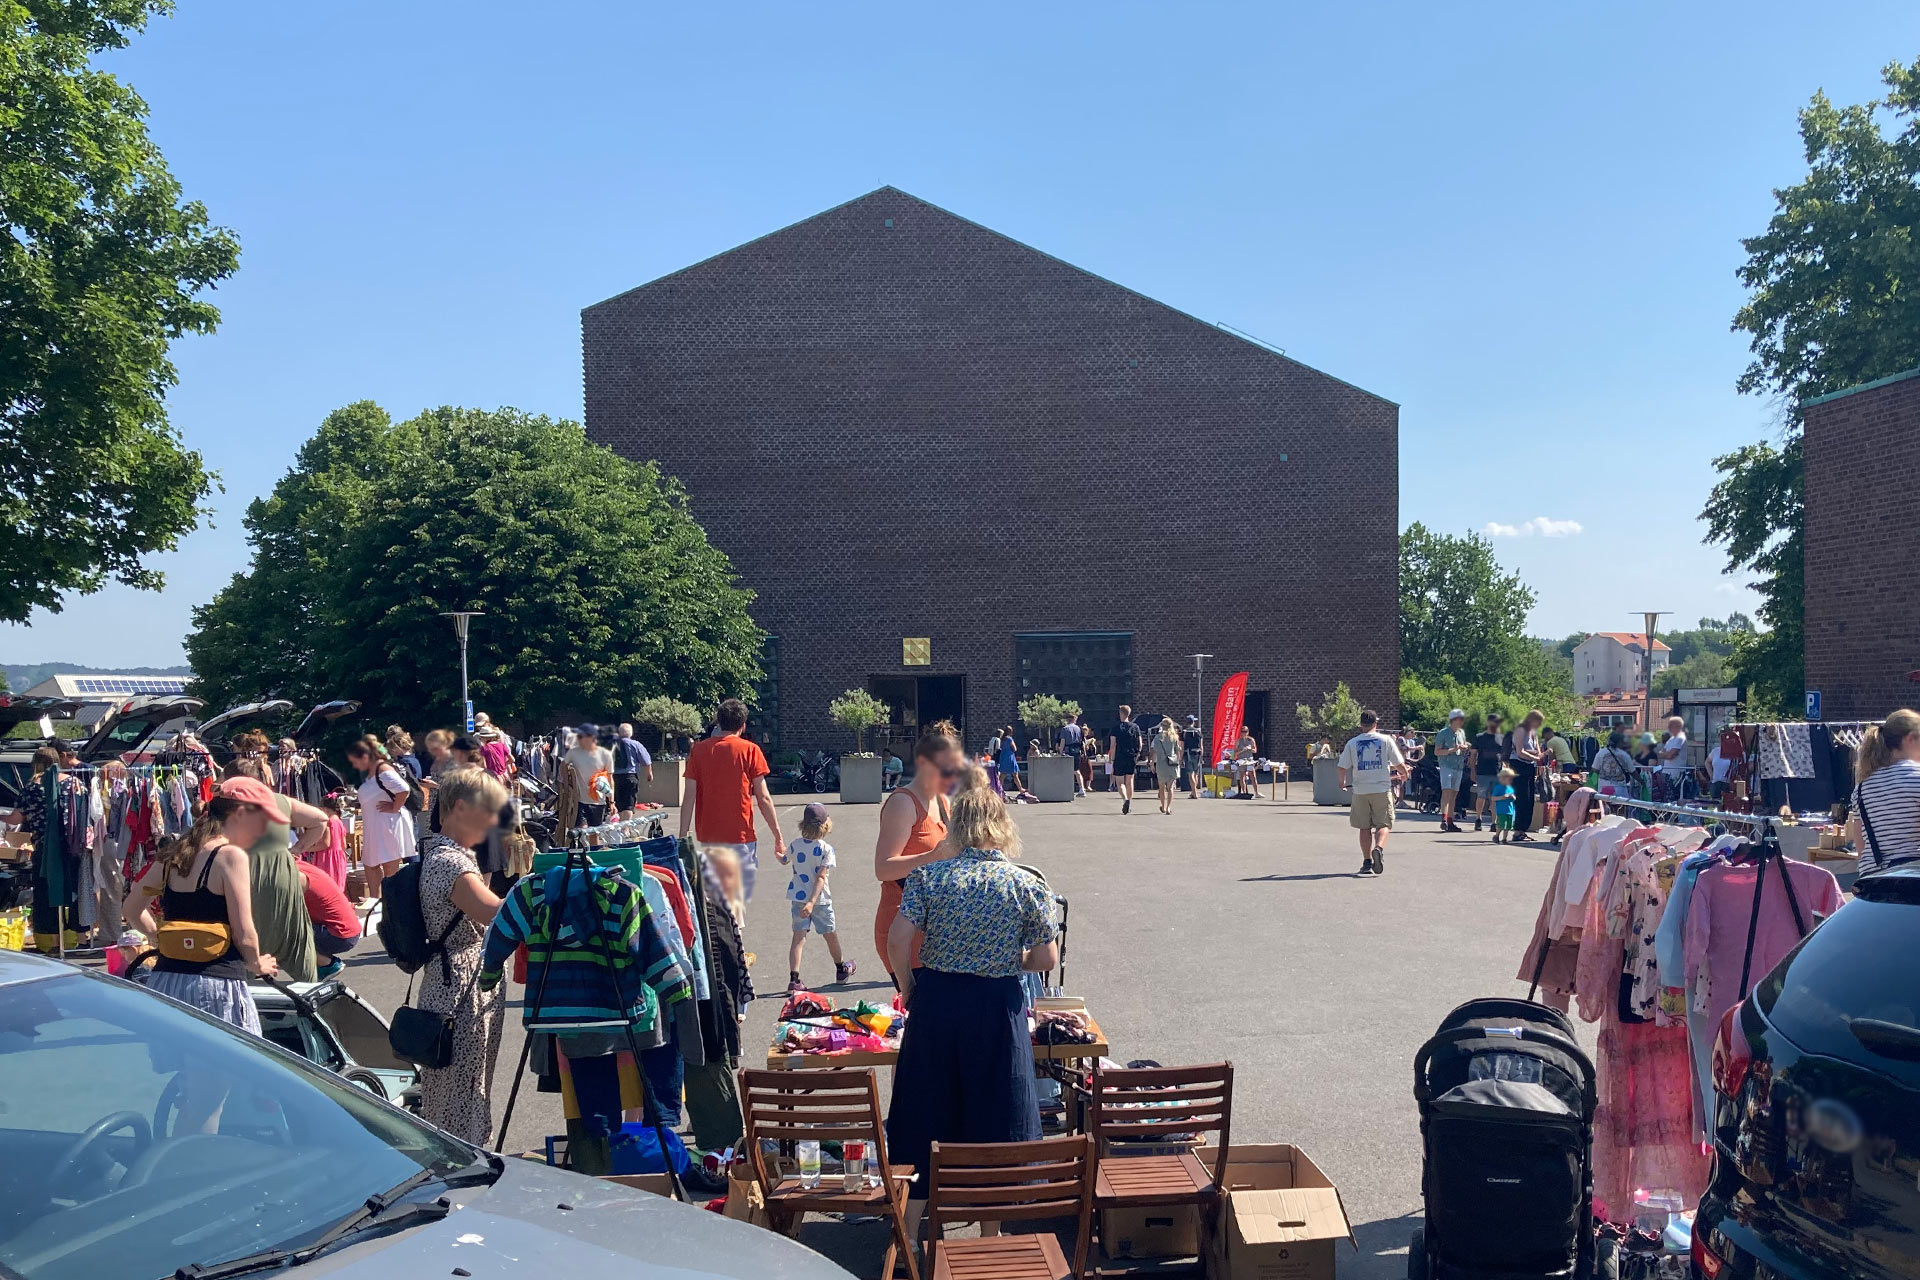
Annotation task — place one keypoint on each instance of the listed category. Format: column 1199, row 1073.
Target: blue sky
column 1520, row 221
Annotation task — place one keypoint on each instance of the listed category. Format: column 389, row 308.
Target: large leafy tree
column 1833, row 304
column 599, row 589
column 1461, row 616
column 102, row 265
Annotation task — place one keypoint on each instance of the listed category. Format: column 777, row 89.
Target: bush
column 1047, row 713
column 858, row 710
column 1425, row 706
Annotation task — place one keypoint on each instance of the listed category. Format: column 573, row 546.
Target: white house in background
column 100, row 690
column 1609, row 660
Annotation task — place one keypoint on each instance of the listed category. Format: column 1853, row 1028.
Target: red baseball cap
column 254, row 791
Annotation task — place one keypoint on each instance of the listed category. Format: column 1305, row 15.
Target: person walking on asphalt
column 1369, row 765
column 1123, row 752
column 1488, row 755
column 1192, row 755
column 1450, row 750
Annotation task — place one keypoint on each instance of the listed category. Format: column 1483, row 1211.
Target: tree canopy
column 599, row 589
column 102, row 265
column 1833, row 304
column 1461, row 615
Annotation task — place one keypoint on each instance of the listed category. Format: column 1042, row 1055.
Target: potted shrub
column 1049, row 776
column 674, row 720
column 859, row 711
column 1336, row 720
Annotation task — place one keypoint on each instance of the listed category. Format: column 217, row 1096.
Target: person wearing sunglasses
column 913, row 822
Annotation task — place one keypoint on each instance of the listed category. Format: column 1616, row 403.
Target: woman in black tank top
column 204, row 876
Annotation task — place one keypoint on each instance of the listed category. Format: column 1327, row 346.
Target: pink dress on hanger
column 1643, row 1126
column 1717, row 919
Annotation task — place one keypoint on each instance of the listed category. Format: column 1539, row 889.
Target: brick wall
column 899, row 423
column 1862, row 570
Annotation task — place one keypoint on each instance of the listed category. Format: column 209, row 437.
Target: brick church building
column 958, row 471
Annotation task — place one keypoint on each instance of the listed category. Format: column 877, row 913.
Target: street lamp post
column 1650, row 619
column 461, row 619
column 1199, row 701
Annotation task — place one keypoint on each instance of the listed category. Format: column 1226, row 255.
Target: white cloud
column 1539, row 526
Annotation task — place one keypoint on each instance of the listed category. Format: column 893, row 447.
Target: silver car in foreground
column 140, row 1139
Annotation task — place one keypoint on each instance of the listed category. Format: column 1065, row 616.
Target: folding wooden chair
column 1004, row 1182
column 824, row 1106
column 1158, row 1103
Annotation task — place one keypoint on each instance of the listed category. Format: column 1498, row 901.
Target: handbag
column 194, row 941
column 421, row 1036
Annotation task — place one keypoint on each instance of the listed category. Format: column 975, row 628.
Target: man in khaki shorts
column 1369, row 765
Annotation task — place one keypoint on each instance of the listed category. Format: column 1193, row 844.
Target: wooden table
column 777, row 1061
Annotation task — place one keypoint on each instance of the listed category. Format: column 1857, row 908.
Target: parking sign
column 1813, row 704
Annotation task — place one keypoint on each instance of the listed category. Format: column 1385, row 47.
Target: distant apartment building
column 1615, row 660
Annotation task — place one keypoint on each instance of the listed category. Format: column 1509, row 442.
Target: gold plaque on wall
column 916, row 651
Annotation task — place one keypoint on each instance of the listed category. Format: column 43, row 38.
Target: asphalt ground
column 1230, row 929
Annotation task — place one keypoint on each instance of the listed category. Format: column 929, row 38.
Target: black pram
column 1506, row 1102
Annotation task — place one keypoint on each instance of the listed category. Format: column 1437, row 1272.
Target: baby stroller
column 1506, row 1118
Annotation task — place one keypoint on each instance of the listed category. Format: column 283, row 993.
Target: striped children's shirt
column 628, row 974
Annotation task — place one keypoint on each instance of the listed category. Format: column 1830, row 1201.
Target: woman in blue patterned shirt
column 966, row 1058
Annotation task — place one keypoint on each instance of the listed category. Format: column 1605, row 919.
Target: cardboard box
column 1171, row 1232
column 654, row 1182
column 1283, row 1219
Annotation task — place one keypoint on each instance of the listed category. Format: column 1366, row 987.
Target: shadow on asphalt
column 1383, row 1248
column 1318, row 875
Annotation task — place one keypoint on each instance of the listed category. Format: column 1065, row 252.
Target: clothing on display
column 1656, row 929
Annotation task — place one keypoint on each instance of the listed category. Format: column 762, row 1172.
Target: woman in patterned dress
column 458, row 1096
column 966, row 1058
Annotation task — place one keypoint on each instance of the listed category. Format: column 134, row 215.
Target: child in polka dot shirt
column 807, row 895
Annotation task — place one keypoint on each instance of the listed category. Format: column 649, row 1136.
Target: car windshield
column 140, row 1137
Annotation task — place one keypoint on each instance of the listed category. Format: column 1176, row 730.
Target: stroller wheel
column 1417, row 1256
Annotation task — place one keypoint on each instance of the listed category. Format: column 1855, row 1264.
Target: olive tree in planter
column 674, row 719
column 1050, row 776
column 1336, row 720
column 858, row 710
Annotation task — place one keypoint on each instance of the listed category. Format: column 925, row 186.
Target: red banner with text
column 1228, row 710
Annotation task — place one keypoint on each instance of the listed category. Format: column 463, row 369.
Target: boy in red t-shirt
column 726, row 776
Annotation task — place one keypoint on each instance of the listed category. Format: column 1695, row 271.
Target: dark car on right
column 1817, row 1128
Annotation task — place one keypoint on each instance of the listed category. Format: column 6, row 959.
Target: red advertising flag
column 1228, row 709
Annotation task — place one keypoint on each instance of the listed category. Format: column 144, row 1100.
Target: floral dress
column 458, row 1097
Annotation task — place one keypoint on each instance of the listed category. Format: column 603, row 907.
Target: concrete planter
column 860, row 779
column 665, row 788
column 1326, row 784
column 1051, row 778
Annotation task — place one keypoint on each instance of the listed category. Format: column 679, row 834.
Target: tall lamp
column 461, row 619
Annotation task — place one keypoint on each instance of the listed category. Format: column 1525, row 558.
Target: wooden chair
column 1004, row 1182
column 1157, row 1103
column 824, row 1106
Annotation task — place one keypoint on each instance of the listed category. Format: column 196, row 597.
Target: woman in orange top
column 913, row 822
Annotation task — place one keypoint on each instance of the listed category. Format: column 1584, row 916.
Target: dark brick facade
column 900, row 424
column 1863, row 573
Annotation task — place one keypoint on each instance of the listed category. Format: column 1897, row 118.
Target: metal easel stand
column 577, row 860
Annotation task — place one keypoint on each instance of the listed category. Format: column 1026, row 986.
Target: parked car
column 279, row 1164
column 1817, row 1131
column 121, row 733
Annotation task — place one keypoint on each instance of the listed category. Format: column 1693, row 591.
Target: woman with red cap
column 203, row 877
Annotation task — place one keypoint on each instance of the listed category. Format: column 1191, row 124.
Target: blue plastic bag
column 637, row 1150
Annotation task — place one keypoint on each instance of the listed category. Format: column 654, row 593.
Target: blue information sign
column 1813, row 704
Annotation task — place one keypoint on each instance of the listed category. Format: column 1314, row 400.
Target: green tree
column 1832, row 304
column 1337, row 717
column 672, row 717
column 1460, row 615
column 1704, row 670
column 1046, row 713
column 859, row 711
column 597, row 585
column 102, row 265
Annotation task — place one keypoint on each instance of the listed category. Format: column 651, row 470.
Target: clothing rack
column 1768, row 852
